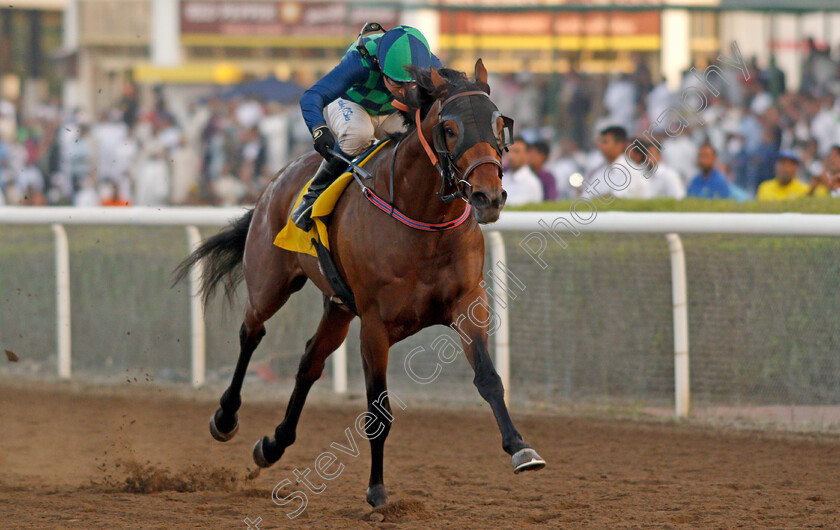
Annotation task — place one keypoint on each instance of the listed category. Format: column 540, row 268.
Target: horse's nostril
column 504, row 196
column 479, row 199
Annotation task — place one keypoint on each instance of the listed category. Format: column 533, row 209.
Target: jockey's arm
column 350, row 71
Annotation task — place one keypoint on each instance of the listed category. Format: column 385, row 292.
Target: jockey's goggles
column 399, row 84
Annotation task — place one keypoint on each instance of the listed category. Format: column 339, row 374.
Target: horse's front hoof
column 376, row 495
column 526, row 460
column 259, row 455
column 216, row 427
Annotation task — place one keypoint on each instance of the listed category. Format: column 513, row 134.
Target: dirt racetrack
column 140, row 456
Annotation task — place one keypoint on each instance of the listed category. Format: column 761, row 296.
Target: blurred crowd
column 213, row 152
column 759, row 139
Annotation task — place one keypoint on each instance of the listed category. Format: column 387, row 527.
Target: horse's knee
column 379, row 412
column 381, row 415
column 377, row 425
column 489, row 384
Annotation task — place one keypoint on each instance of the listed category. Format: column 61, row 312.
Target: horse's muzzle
column 487, row 209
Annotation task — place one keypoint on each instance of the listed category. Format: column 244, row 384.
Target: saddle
column 315, row 242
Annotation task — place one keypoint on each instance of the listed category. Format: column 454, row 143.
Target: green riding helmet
column 400, row 47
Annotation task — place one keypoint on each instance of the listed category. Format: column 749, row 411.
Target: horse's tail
column 222, row 259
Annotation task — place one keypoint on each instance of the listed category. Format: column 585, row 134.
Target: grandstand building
column 195, row 43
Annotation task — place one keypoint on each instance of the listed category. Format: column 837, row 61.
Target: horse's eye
column 450, row 133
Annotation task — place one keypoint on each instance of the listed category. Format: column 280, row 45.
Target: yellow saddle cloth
column 296, row 240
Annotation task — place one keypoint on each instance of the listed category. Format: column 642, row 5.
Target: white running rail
column 557, row 225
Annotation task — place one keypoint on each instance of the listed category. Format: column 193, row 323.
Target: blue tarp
column 268, row 89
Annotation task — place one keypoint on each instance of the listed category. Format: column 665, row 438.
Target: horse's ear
column 481, row 76
column 437, row 80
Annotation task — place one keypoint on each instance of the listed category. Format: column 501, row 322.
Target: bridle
column 475, row 108
column 475, row 116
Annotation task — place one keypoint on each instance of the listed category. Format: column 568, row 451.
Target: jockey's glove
column 323, row 140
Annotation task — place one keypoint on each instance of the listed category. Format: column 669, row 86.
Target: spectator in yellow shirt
column 786, row 186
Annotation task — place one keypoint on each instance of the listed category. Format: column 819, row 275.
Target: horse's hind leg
column 224, row 423
column 330, row 334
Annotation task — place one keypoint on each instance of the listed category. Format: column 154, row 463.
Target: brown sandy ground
column 77, row 458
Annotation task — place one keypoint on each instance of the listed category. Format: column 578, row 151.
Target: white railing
column 558, row 225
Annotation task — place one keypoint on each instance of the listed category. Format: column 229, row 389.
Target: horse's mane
column 426, row 93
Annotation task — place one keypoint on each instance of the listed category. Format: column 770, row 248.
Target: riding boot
column 327, row 173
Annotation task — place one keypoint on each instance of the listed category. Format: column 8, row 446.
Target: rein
column 377, row 201
column 392, row 211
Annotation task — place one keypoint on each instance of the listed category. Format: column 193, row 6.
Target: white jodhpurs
column 355, row 129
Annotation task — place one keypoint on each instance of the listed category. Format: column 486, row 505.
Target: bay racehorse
column 404, row 278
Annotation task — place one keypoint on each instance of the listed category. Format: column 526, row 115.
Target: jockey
column 352, row 105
